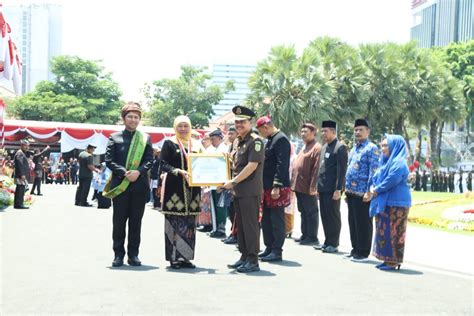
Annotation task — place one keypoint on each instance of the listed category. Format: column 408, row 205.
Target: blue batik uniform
column 363, row 162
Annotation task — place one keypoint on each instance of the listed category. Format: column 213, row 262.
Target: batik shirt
column 363, row 162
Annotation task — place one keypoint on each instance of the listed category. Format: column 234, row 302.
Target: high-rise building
column 37, row 32
column 440, row 22
column 239, row 74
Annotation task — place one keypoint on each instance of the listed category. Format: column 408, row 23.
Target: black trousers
column 74, row 178
column 360, row 225
column 248, row 233
column 308, row 207
column 331, row 218
column 128, row 206
column 273, row 228
column 36, row 185
column 83, row 191
column 19, row 195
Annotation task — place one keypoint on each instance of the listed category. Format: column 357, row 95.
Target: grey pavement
column 56, row 259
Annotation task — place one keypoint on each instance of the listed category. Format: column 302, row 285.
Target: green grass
column 434, row 196
column 431, row 212
column 460, row 232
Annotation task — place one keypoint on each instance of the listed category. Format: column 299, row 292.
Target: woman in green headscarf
column 180, row 202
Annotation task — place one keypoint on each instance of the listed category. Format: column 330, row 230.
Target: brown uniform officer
column 248, row 188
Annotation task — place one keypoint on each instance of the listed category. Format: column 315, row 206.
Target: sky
column 140, row 41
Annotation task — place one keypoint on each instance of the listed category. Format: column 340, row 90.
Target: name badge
column 326, row 155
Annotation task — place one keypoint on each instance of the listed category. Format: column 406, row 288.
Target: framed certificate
column 208, row 169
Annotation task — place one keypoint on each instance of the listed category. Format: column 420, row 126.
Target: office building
column 239, row 74
column 37, row 32
column 440, row 22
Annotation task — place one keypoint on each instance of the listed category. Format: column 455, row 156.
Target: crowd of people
column 267, row 177
column 442, row 181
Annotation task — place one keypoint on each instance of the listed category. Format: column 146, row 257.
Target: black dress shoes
column 265, row 253
column 237, row 264
column 134, row 261
column 175, row 265
column 319, row 247
column 21, row 207
column 187, row 265
column 330, row 249
column 309, row 241
column 217, row 234
column 39, row 194
column 230, row 241
column 272, row 257
column 248, row 267
column 204, row 229
column 118, row 262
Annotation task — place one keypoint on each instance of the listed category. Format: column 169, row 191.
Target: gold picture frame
column 208, row 169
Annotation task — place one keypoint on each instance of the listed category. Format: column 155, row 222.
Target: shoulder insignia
column 258, row 146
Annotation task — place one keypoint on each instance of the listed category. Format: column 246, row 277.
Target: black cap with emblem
column 243, row 113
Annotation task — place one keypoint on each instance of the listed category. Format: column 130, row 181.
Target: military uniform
column 21, row 169
column 248, row 194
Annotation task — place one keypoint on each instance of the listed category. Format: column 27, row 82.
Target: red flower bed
column 469, row 211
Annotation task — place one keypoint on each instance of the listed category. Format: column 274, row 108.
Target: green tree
column 81, row 92
column 345, row 70
column 460, row 60
column 191, row 94
column 291, row 89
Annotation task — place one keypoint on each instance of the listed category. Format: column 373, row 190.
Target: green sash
column 134, row 156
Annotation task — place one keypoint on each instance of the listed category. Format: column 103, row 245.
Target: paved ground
column 56, row 260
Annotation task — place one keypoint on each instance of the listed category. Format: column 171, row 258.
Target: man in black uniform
column 424, row 181
column 232, row 239
column 331, row 182
column 247, row 187
column 38, row 161
column 276, row 187
column 22, row 169
column 86, row 168
column 128, row 188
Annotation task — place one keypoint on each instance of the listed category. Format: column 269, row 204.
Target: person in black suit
column 331, row 182
column 22, row 170
column 128, row 188
column 276, row 186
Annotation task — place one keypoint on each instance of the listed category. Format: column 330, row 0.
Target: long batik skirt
column 390, row 229
column 205, row 217
column 180, row 237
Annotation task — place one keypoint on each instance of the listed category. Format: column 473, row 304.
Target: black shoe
column 319, row 247
column 86, row 205
column 248, row 267
column 217, row 234
column 118, row 262
column 39, row 194
column 330, row 249
column 350, row 255
column 357, row 258
column 187, row 264
column 300, row 239
column 273, row 257
column 265, row 253
column 204, row 229
column 309, row 241
column 21, row 207
column 230, row 241
column 175, row 265
column 237, row 264
column 134, row 261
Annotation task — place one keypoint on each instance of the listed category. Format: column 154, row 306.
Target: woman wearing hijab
column 180, row 202
column 391, row 201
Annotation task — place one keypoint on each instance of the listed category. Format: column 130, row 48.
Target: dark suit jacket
column 116, row 158
column 332, row 167
column 22, row 167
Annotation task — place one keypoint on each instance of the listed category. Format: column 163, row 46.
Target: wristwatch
column 234, row 183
